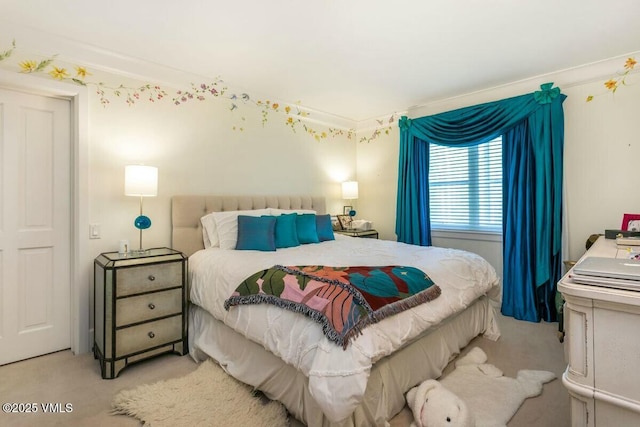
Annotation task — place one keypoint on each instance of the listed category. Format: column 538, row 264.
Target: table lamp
column 350, row 192
column 141, row 181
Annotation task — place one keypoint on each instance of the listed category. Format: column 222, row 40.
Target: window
column 465, row 187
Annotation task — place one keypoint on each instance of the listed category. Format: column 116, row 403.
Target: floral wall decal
column 215, row 89
column 620, row 80
column 7, row 53
column 131, row 95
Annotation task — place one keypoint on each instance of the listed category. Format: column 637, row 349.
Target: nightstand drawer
column 147, row 278
column 148, row 306
column 147, row 335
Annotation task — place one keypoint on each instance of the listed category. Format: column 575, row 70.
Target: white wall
column 377, row 166
column 602, row 152
column 602, row 158
column 197, row 152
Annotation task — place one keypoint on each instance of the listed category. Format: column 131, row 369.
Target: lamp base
column 134, row 253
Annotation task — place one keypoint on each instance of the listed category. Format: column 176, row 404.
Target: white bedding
column 337, row 377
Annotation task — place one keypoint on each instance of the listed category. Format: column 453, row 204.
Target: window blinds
column 465, row 187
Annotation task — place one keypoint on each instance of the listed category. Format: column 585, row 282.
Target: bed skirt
column 390, row 378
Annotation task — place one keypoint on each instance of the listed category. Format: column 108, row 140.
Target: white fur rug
column 206, row 397
column 490, row 396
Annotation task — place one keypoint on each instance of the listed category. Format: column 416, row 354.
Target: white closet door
column 35, row 229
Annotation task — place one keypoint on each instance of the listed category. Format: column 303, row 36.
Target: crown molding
column 564, row 79
column 370, row 125
column 35, row 42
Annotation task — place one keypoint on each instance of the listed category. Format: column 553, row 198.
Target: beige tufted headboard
column 186, row 211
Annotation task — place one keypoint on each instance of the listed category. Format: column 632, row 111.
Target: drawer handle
column 151, row 334
column 152, row 277
column 152, row 306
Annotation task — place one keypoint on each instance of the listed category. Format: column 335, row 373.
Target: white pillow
column 227, row 225
column 277, row 212
column 209, row 231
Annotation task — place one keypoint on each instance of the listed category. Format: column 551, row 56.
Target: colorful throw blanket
column 343, row 300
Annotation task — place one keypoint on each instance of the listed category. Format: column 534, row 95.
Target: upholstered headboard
column 186, row 211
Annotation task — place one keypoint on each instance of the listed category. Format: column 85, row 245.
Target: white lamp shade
column 140, row 181
column 350, row 190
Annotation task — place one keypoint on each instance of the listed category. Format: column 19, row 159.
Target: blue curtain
column 532, row 127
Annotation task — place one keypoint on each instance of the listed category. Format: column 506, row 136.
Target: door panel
column 35, row 229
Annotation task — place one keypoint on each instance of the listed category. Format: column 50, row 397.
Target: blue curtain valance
column 479, row 123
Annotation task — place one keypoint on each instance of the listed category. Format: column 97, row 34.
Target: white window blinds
column 465, row 187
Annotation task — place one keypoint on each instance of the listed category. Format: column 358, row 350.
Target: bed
column 286, row 355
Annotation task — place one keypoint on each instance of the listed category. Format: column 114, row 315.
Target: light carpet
column 491, row 397
column 206, row 397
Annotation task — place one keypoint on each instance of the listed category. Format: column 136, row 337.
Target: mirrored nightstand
column 368, row 234
column 140, row 307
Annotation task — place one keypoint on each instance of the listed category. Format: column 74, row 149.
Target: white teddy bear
column 435, row 406
column 475, row 393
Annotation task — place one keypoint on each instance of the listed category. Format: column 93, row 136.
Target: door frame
column 81, row 261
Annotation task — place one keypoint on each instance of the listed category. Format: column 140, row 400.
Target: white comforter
column 337, row 377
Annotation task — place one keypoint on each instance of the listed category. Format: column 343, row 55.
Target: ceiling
column 357, row 59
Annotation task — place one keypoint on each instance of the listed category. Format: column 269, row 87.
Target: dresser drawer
column 147, row 335
column 147, row 278
column 148, row 306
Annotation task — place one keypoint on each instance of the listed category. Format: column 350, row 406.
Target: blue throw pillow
column 324, row 228
column 306, row 228
column 286, row 232
column 256, row 233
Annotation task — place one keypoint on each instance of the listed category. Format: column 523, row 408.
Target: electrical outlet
column 94, row 231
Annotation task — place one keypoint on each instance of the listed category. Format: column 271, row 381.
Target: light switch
column 94, row 231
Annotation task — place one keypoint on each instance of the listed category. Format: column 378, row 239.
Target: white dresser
column 602, row 348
